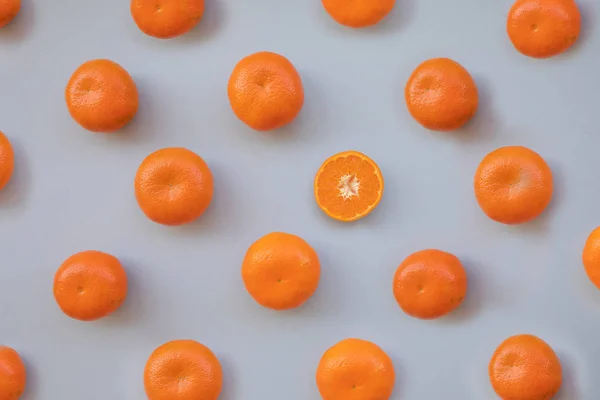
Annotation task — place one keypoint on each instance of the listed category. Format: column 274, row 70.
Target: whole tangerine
column 430, row 283
column 166, row 19
column 101, row 96
column 265, row 91
column 543, row 28
column 513, row 185
column 524, row 367
column 173, row 186
column 358, row 13
column 281, row 271
column 7, row 160
column 8, row 11
column 90, row 285
column 355, row 369
column 441, row 95
column 183, row 370
column 591, row 257
column 13, row 375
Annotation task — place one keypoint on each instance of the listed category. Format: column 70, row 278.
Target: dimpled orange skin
column 441, row 95
column 265, row 91
column 591, row 257
column 430, row 283
column 513, row 185
column 166, row 19
column 358, row 13
column 12, row 374
column 348, row 186
column 524, row 367
column 101, row 96
column 281, row 271
column 7, row 160
column 543, row 28
column 173, row 186
column 355, row 369
column 90, row 285
column 8, row 11
column 183, row 370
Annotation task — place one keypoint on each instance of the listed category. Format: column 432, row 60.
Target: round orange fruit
column 8, row 11
column 441, row 95
column 90, row 285
column 101, row 96
column 355, row 369
column 543, row 28
column 7, row 160
column 524, row 367
column 173, row 186
column 513, row 185
column 183, row 370
column 430, row 283
column 281, row 271
column 358, row 13
column 12, row 374
column 166, row 19
column 591, row 257
column 348, row 186
column 265, row 91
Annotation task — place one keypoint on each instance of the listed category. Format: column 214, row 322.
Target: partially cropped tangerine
column 355, row 369
column 358, row 13
column 90, row 285
column 513, row 185
column 183, row 370
column 543, row 28
column 524, row 367
column 13, row 375
column 430, row 283
column 166, row 19
column 265, row 91
column 441, row 95
column 281, row 271
column 8, row 11
column 173, row 186
column 101, row 96
column 591, row 257
column 348, row 186
column 7, row 160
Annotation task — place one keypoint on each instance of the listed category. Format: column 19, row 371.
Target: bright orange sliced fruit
column 348, row 186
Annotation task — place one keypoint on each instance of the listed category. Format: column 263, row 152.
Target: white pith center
column 348, row 186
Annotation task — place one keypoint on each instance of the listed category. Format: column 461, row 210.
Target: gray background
column 73, row 190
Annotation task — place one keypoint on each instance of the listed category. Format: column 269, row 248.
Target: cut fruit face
column 348, row 186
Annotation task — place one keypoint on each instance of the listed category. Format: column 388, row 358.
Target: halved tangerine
column 348, row 186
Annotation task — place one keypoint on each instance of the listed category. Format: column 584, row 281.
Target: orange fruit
column 90, row 285
column 281, row 271
column 355, row 369
column 543, row 28
column 7, row 160
column 12, row 374
column 430, row 283
column 101, row 96
column 524, row 367
column 358, row 13
column 265, row 91
column 183, row 370
column 8, row 11
column 441, row 95
column 166, row 19
column 513, row 185
column 348, row 186
column 591, row 257
column 173, row 186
